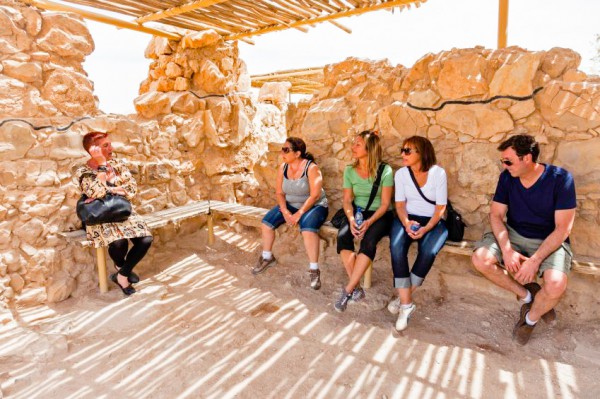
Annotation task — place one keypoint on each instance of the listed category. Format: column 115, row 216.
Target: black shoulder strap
column 306, row 168
column 285, row 168
column 412, row 176
column 375, row 187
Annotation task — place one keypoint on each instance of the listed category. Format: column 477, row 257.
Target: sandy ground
column 201, row 326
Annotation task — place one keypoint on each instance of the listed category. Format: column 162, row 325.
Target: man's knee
column 555, row 283
column 483, row 260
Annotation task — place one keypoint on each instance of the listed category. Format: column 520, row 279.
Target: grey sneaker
column 394, row 306
column 263, row 264
column 342, row 302
column 315, row 279
column 358, row 294
column 403, row 317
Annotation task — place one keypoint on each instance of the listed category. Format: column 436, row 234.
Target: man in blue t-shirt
column 538, row 202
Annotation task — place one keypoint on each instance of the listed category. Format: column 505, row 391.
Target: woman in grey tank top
column 300, row 201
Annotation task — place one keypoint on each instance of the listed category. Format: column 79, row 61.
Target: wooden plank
column 47, row 5
column 252, row 215
column 185, row 8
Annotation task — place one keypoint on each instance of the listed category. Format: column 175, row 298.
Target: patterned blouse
column 103, row 234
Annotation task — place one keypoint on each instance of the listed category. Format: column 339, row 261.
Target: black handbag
column 339, row 218
column 454, row 222
column 108, row 209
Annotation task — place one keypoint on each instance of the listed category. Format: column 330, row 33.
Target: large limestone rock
column 572, row 107
column 65, row 35
column 275, row 92
column 28, row 72
column 200, row 39
column 462, row 76
column 581, row 158
column 71, row 92
column 477, row 120
column 402, row 121
column 152, row 104
column 15, row 140
column 515, row 78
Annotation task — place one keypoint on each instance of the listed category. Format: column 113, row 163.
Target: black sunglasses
column 407, row 151
column 509, row 162
column 285, row 150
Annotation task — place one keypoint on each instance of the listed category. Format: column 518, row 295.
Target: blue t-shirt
column 531, row 210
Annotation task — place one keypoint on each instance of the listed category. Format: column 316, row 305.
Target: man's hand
column 96, row 153
column 118, row 191
column 527, row 271
column 513, row 260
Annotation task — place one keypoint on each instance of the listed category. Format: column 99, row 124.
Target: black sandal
column 127, row 290
column 133, row 278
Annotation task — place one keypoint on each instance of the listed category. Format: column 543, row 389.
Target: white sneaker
column 403, row 317
column 394, row 306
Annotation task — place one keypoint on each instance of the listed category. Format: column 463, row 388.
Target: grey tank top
column 297, row 191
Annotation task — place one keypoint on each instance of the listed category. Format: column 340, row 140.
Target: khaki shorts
column 558, row 260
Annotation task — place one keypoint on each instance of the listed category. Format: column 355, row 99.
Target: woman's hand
column 118, row 191
column 362, row 229
column 96, row 153
column 295, row 218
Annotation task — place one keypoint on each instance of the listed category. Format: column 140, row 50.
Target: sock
column 313, row 265
column 528, row 320
column 267, row 255
column 527, row 299
column 407, row 306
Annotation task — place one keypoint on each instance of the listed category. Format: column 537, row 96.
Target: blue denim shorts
column 310, row 221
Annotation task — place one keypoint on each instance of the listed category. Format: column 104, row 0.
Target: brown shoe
column 263, row 264
column 315, row 279
column 522, row 331
column 534, row 288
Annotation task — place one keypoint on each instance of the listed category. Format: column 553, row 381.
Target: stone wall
column 195, row 136
column 564, row 116
column 199, row 134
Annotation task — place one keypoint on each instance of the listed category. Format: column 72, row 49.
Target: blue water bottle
column 358, row 216
column 415, row 227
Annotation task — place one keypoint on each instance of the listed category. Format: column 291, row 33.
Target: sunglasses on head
column 286, row 150
column 407, row 150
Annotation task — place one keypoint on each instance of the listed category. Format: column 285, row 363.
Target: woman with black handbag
column 421, row 197
column 368, row 186
column 102, row 176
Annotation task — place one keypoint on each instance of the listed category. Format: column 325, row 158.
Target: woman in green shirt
column 359, row 179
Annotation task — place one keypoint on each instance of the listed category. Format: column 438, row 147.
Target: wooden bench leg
column 367, row 276
column 102, row 281
column 211, row 230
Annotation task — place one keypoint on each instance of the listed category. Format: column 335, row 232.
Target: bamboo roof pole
column 357, row 11
column 287, row 74
column 311, row 12
column 170, row 12
column 50, row 6
column 502, row 23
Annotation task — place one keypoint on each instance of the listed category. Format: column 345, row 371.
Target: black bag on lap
column 108, row 209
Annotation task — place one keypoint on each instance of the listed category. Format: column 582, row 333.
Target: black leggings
column 127, row 260
column 368, row 245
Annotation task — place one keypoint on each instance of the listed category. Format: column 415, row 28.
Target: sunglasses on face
column 407, row 150
column 508, row 162
column 286, row 150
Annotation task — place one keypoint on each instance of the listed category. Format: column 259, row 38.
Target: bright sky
column 117, row 66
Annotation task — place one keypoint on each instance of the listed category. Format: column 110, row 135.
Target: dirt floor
column 201, row 326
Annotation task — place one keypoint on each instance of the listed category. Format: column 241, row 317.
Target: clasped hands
column 522, row 268
column 359, row 231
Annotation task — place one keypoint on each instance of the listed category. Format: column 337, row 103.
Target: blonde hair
column 374, row 151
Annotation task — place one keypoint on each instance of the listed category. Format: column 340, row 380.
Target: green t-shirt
column 362, row 187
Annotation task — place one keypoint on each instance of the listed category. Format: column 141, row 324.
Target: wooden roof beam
column 170, row 12
column 309, row 21
column 50, row 6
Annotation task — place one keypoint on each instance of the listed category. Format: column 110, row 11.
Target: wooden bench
column 253, row 215
column 154, row 220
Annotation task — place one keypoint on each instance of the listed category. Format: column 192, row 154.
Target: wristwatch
column 102, row 168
